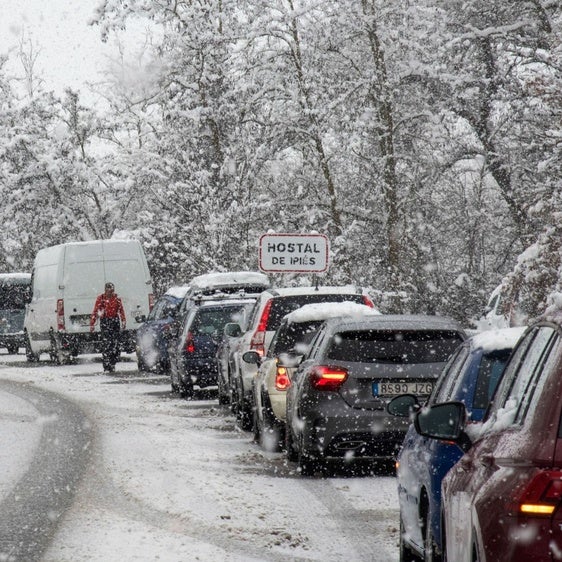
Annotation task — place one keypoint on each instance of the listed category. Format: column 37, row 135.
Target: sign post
column 294, row 253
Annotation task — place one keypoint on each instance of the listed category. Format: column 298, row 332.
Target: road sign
column 296, row 253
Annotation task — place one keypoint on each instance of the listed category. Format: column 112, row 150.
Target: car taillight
column 150, row 301
column 189, row 343
column 324, row 377
column 257, row 343
column 282, row 380
column 542, row 494
column 60, row 314
column 368, row 301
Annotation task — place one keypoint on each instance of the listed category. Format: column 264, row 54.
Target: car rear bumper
column 201, row 372
column 353, row 433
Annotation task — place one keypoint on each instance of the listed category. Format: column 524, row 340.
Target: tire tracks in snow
column 33, row 509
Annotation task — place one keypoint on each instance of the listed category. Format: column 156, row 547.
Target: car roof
column 395, row 322
column 178, row 291
column 229, row 279
column 327, row 290
column 324, row 310
column 491, row 340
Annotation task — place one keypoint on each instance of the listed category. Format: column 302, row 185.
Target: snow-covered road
column 174, row 480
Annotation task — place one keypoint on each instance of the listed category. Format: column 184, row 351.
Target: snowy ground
column 172, row 480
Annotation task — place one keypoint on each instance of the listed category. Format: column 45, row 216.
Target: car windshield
column 378, row 346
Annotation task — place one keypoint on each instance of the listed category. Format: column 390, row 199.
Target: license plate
column 394, row 388
column 82, row 320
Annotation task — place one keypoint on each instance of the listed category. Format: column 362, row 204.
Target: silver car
column 336, row 404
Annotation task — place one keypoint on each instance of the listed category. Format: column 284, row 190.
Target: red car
column 503, row 500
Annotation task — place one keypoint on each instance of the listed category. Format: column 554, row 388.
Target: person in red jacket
column 109, row 309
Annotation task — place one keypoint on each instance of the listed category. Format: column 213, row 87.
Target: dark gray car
column 336, row 405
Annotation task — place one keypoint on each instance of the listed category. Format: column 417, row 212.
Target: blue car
column 470, row 376
column 151, row 336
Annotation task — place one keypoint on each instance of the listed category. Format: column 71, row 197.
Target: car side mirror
column 445, row 421
column 232, row 330
column 403, row 406
column 252, row 357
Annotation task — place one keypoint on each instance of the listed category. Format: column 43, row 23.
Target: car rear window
column 294, row 336
column 390, row 346
column 212, row 320
column 283, row 305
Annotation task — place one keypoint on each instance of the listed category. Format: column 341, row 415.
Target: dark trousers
column 110, row 328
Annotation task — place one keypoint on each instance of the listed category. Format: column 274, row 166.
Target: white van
column 66, row 280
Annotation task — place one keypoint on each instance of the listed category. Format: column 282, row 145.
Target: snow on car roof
column 326, row 290
column 179, row 292
column 209, row 280
column 325, row 310
column 504, row 338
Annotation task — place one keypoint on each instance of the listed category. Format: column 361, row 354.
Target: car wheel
column 184, row 390
column 244, row 414
column 13, row 348
column 431, row 551
column 306, row 464
column 406, row 554
column 256, row 430
column 271, row 433
column 290, row 450
column 141, row 365
column 223, row 394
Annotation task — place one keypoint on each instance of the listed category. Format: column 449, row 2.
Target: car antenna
column 315, row 281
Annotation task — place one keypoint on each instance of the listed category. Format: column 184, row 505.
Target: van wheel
column 29, row 355
column 13, row 348
column 57, row 354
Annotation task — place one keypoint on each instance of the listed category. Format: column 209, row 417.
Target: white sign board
column 296, row 253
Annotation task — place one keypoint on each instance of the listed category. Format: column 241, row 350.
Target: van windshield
column 14, row 294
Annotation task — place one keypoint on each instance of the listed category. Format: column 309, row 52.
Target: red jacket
column 107, row 307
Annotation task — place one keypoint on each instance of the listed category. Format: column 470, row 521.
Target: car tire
column 270, row 427
column 13, row 348
column 431, row 551
column 307, row 466
column 290, row 451
column 244, row 414
column 222, row 392
column 185, row 391
column 406, row 553
column 256, row 430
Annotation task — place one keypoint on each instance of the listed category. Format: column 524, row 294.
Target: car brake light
column 324, row 377
column 150, row 301
column 257, row 342
column 60, row 314
column 368, row 301
column 282, row 380
column 190, row 343
column 543, row 493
